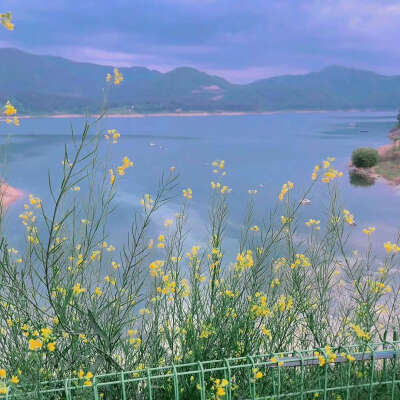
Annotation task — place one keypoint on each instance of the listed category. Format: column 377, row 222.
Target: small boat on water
column 152, row 144
column 363, row 131
column 306, row 202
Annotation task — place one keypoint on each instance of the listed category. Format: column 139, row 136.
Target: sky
column 240, row 40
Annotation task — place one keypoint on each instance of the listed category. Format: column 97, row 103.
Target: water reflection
column 361, row 179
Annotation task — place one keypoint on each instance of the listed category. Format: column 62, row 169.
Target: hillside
column 46, row 84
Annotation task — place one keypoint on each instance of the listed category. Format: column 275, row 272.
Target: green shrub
column 365, row 157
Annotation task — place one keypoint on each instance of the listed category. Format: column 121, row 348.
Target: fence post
column 202, row 381
column 228, row 378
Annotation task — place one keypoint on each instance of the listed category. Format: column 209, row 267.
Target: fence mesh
column 370, row 371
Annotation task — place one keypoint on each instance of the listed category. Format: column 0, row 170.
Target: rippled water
column 261, row 151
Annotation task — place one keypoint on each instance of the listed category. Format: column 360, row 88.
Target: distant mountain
column 46, row 84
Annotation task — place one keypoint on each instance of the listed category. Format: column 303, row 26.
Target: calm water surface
column 261, row 152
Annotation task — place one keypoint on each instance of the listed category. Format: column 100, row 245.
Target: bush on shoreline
column 365, row 157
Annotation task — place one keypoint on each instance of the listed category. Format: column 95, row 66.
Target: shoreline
column 190, row 114
column 389, row 161
column 8, row 195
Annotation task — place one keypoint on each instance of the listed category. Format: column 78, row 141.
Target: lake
column 260, row 151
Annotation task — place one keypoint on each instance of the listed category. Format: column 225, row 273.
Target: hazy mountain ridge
column 48, row 84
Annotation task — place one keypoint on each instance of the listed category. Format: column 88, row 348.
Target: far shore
column 8, row 195
column 188, row 114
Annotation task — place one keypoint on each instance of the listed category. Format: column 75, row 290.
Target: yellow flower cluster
column 279, row 263
column 9, row 111
column 331, row 174
column 206, row 332
column 257, row 374
column 244, row 261
column 314, row 174
column 360, row 333
column 391, row 247
column 5, row 20
column 369, row 230
column 161, row 242
column 118, row 78
column 219, row 388
column 223, row 189
column 285, row 189
column 111, row 280
column 275, row 282
column 35, row 344
column 277, row 361
column 147, row 202
column 169, row 286
column 187, row 193
column 35, row 201
column 284, row 304
column 285, row 220
column 113, row 134
column 3, row 376
column 348, row 356
column 77, row 289
column 218, row 164
column 155, row 267
column 87, row 377
column 301, row 260
column 314, row 222
column 126, row 163
column 168, row 223
column 349, row 218
column 266, row 332
column 193, row 253
column 379, row 287
column 255, row 228
column 261, row 308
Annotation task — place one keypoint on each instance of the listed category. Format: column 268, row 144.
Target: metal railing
column 370, row 371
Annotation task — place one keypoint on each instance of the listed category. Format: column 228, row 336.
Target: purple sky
column 241, row 40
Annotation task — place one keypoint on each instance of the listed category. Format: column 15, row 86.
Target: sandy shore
column 176, row 114
column 8, row 195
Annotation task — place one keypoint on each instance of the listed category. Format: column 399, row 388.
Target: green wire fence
column 369, row 371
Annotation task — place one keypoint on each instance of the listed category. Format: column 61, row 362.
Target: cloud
column 240, row 40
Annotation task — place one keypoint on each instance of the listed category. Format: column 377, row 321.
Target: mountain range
column 39, row 84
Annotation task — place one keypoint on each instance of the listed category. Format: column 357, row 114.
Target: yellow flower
column 14, row 379
column 168, row 222
column 389, row 247
column 35, row 344
column 285, row 188
column 255, row 228
column 257, row 373
column 9, row 109
column 98, row 291
column 3, row 373
column 118, row 78
column 368, row 231
column 46, row 332
column 5, row 20
column 108, row 77
column 51, row 346
column 89, row 375
column 112, row 176
column 77, row 289
column 187, row 193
